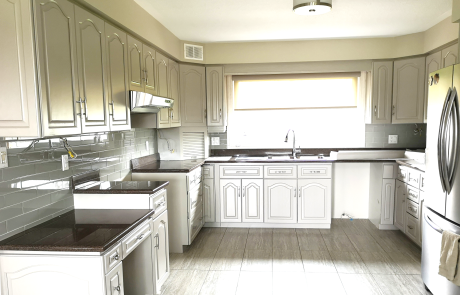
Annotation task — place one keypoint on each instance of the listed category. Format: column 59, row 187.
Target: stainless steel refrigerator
column 442, row 199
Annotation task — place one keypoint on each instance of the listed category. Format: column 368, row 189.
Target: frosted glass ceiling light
column 303, row 7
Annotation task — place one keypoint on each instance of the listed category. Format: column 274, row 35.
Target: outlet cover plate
column 215, row 140
column 392, row 139
column 65, row 162
column 3, row 157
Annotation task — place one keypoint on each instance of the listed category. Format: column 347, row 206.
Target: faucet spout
column 294, row 150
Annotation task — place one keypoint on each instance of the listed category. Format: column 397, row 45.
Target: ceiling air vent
column 193, row 52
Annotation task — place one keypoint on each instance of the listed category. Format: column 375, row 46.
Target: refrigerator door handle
column 432, row 224
column 449, row 139
column 441, row 159
column 454, row 140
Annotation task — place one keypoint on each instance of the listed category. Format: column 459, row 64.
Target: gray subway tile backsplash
column 34, row 189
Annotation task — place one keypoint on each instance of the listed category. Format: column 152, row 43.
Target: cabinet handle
column 140, row 237
column 117, row 288
column 157, row 239
column 111, row 104
column 81, row 108
column 295, row 193
column 410, row 227
column 220, row 113
column 394, row 110
column 239, row 192
column 86, row 109
column 300, row 193
column 244, row 191
column 375, row 110
column 172, row 113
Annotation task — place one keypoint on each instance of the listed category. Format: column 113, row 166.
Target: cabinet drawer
column 315, row 171
column 241, row 172
column 195, row 197
column 413, row 194
column 414, row 178
column 413, row 209
column 158, row 202
column 280, row 172
column 208, row 171
column 412, row 227
column 402, row 174
column 194, row 178
column 138, row 236
column 112, row 257
column 422, row 181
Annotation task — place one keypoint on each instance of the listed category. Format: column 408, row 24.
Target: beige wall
column 456, row 11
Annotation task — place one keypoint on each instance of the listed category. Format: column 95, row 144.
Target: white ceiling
column 256, row 20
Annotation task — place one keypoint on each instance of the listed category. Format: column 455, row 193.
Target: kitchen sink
column 282, row 158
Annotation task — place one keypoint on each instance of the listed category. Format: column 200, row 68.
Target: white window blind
column 193, row 145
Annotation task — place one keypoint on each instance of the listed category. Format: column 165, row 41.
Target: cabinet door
column 388, row 201
column 91, row 53
column 18, row 98
column 400, row 205
column 450, row 56
column 408, row 91
column 162, row 65
column 58, row 67
column 193, row 95
column 161, row 248
column 114, row 281
column 252, row 203
column 209, row 201
column 117, row 77
column 230, row 196
column 382, row 92
column 280, row 201
column 174, row 93
column 149, row 63
column 135, row 65
column 420, row 220
column 314, row 201
column 215, row 95
column 433, row 63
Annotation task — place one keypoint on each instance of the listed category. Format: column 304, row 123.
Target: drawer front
column 112, row 258
column 241, row 172
column 315, row 171
column 195, row 224
column 422, row 181
column 403, row 174
column 280, row 172
column 159, row 202
column 208, row 171
column 138, row 236
column 195, row 198
column 414, row 178
column 413, row 194
column 194, row 179
column 412, row 227
column 413, row 209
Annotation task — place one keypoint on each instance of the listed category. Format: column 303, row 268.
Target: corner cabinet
column 193, row 95
column 408, row 91
column 280, row 201
column 449, row 56
column 215, row 99
column 382, row 92
column 18, row 99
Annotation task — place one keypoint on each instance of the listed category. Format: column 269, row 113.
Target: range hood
column 142, row 102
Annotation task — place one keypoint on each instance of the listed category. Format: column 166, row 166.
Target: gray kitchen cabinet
column 92, row 62
column 314, row 200
column 280, row 201
column 215, row 97
column 174, row 93
column 382, row 93
column 230, row 194
column 433, row 63
column 162, row 73
column 161, row 250
column 55, row 30
column 148, row 67
column 252, row 200
column 400, row 205
column 209, row 200
column 408, row 91
column 388, row 201
column 193, row 95
column 449, row 56
column 18, row 98
column 114, row 281
column 117, row 78
column 135, row 65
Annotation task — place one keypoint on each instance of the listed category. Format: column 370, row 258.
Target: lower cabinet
column 314, row 200
column 230, row 193
column 400, row 205
column 114, row 281
column 388, row 201
column 241, row 200
column 252, row 202
column 209, row 200
column 280, row 201
column 161, row 250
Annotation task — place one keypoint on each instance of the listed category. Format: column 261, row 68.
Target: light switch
column 65, row 162
column 3, row 157
column 215, row 140
column 392, row 139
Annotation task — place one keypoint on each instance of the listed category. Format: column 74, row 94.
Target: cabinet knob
column 394, row 110
column 117, row 288
column 116, row 257
column 140, row 237
column 375, row 110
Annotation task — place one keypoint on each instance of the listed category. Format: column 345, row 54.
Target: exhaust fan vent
column 193, row 52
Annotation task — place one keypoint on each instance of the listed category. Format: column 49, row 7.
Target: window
column 325, row 110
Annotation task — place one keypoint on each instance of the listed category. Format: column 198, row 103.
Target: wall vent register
column 194, row 52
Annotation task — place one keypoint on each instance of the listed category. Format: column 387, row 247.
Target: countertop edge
column 119, row 192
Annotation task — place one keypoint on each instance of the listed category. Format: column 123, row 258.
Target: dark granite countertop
column 232, row 160
column 152, row 164
column 81, row 230
column 120, row 187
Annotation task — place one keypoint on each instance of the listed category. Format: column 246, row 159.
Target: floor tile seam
column 387, row 275
column 202, row 284
column 375, row 285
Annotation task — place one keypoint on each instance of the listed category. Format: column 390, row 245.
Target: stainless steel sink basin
column 282, row 158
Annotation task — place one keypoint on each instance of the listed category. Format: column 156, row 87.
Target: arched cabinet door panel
column 174, row 93
column 280, row 201
column 382, row 92
column 433, row 63
column 136, row 74
column 230, row 194
column 252, row 200
column 193, row 95
column 161, row 248
column 314, row 201
column 209, row 200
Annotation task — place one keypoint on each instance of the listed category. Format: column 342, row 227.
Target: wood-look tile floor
column 353, row 257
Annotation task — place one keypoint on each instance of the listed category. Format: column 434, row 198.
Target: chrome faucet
column 294, row 150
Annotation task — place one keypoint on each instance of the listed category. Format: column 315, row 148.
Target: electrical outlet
column 392, row 139
column 215, row 140
column 65, row 162
column 3, row 157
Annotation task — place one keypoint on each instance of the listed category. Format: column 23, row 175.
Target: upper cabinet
column 174, row 92
column 193, row 95
column 18, row 98
column 149, row 65
column 433, row 63
column 135, row 65
column 91, row 57
column 215, row 99
column 117, row 77
column 60, row 100
column 449, row 56
column 408, row 91
column 162, row 65
column 382, row 90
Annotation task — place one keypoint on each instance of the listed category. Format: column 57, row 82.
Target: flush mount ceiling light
column 304, row 7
